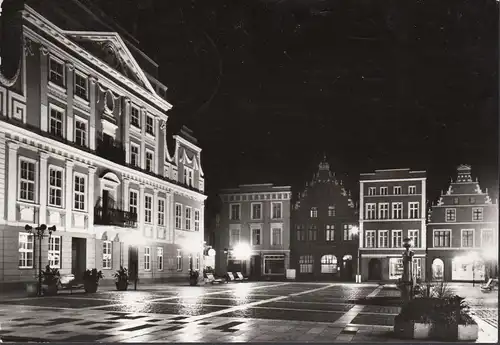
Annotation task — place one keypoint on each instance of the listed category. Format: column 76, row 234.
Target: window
column 234, row 212
column 256, row 210
column 79, row 192
column 150, row 128
column 331, row 211
column 25, row 250
column 149, row 161
column 451, row 214
column 178, row 216
column 312, row 234
column 413, row 236
column 147, row 258
column 330, row 233
column 372, row 191
column 134, row 155
column 55, row 186
column 179, row 260
column 397, row 238
column 397, row 210
column 132, row 206
column 456, row 201
column 370, row 239
column 371, row 211
column 159, row 258
column 196, row 220
column 188, row 176
column 56, row 71
column 56, row 122
column 135, row 118
column 472, row 200
column 329, row 264
column 383, row 190
column 306, row 263
column 348, row 235
column 80, row 85
column 314, row 212
column 27, row 180
column 442, row 238
column 197, row 265
column 487, row 239
column 54, row 252
column 161, row 212
column 301, row 235
column 234, row 238
column 396, row 190
column 276, row 237
column 188, row 218
column 106, row 255
column 383, row 210
column 412, row 190
column 256, row 237
column 81, row 133
column 276, row 210
column 413, row 210
column 383, row 238
column 467, row 238
column 148, row 209
column 395, row 268
column 477, row 213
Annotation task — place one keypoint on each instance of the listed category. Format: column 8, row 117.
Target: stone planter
column 49, row 290
column 32, row 289
column 416, row 330
column 121, row 285
column 468, row 332
column 90, row 286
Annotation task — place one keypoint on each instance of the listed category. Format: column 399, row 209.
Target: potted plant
column 50, row 280
column 121, row 279
column 91, row 280
column 193, row 277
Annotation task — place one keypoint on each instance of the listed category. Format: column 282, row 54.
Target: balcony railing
column 112, row 216
column 110, row 149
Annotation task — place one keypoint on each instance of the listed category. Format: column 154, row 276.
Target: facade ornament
column 449, row 191
column 70, row 66
column 44, row 50
column 28, row 48
column 93, row 79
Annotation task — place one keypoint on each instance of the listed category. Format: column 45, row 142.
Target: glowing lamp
column 242, row 251
column 354, row 230
column 211, row 252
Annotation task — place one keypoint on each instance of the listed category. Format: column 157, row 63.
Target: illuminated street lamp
column 473, row 257
column 355, row 232
column 407, row 279
column 39, row 232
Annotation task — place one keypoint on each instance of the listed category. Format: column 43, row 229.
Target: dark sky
column 269, row 85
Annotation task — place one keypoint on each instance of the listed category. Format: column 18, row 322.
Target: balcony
column 111, row 149
column 114, row 217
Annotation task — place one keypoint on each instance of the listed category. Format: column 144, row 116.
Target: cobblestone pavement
column 235, row 312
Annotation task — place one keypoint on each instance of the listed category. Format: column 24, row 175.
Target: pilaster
column 91, row 198
column 143, row 136
column 70, row 73
column 125, row 193
column 12, row 196
column 126, row 128
column 93, row 101
column 154, row 214
column 361, row 234
column 157, row 165
column 44, row 176
column 423, row 216
column 44, row 80
column 69, row 194
column 141, row 204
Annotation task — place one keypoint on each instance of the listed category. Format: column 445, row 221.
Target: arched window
column 328, row 264
column 437, row 269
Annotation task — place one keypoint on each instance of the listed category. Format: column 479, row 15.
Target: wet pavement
column 234, row 312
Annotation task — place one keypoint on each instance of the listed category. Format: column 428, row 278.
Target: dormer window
column 383, row 190
column 314, row 212
column 81, row 85
column 188, row 176
column 56, row 74
column 150, row 125
column 397, row 190
column 135, row 117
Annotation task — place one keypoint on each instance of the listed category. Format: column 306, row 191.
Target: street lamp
column 407, row 270
column 355, row 232
column 39, row 232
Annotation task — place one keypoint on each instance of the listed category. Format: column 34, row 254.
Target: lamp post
column 355, row 232
column 407, row 291
column 39, row 232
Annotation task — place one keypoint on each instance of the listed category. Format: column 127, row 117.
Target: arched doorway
column 374, row 270
column 347, row 270
column 329, row 264
column 437, row 269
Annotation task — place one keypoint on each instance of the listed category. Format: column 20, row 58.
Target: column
column 172, row 214
column 141, row 207
column 126, row 128
column 44, row 176
column 143, row 136
column 423, row 216
column 69, row 194
column 70, row 71
column 159, row 164
column 126, row 184
column 154, row 214
column 44, row 79
column 91, row 201
column 13, row 183
column 93, row 101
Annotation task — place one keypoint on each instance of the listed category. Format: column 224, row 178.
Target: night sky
column 270, row 86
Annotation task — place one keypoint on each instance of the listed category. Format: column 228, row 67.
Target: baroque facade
column 462, row 233
column 255, row 216
column 324, row 245
column 83, row 147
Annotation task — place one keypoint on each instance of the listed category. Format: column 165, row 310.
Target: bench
column 240, row 276
column 211, row 279
column 68, row 282
column 490, row 285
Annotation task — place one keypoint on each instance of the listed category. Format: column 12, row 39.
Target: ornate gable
column 110, row 48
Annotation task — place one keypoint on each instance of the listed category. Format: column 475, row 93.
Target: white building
column 83, row 147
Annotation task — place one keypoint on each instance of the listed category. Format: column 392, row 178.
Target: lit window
column 196, row 220
column 330, row 233
column 468, row 238
column 106, row 254
column 306, row 263
column 25, row 250
column 148, row 209
column 451, row 214
column 161, row 212
column 442, row 238
column 314, row 212
column 178, row 216
column 383, row 238
column 276, row 210
column 56, row 122
column 188, row 218
column 276, row 237
column 256, row 237
column 80, row 133
column 371, row 211
column 383, row 211
column 150, row 125
column 179, row 260
column 331, row 211
column 159, row 255
column 397, row 238
column 188, row 176
column 312, row 233
column 413, row 236
column 147, row 258
column 372, row 191
column 348, row 235
column 414, row 208
column 80, row 85
column 134, row 155
column 370, row 239
column 395, row 268
column 27, row 180
column 197, row 265
column 54, row 252
column 55, row 186
column 149, row 161
column 329, row 264
column 397, row 210
column 79, row 192
column 477, row 213
column 135, row 117
column 132, row 206
column 234, row 212
column 56, row 73
column 256, row 211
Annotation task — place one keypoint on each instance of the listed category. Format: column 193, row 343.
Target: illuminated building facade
column 392, row 208
column 462, row 233
column 254, row 219
column 83, row 147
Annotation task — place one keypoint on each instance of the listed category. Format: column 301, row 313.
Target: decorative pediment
column 110, row 48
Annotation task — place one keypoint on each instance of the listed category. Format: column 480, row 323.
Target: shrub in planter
column 32, row 289
column 50, row 280
column 121, row 279
column 193, row 277
column 91, row 280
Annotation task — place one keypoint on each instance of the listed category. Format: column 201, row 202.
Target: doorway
column 374, row 270
column 78, row 257
column 347, row 270
column 255, row 267
column 133, row 262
